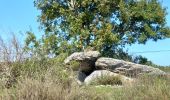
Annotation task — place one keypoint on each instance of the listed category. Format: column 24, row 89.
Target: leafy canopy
column 105, row 25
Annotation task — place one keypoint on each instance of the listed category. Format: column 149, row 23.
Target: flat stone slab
column 126, row 68
column 83, row 56
column 86, row 60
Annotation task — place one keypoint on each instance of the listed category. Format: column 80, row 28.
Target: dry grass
column 107, row 80
column 56, row 83
column 40, row 78
column 47, row 87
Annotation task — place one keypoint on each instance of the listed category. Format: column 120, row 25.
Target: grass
column 41, row 78
column 166, row 69
column 107, row 80
column 51, row 80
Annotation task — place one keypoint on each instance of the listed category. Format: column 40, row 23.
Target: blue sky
column 160, row 58
column 18, row 16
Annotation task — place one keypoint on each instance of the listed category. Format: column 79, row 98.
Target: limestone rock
column 83, row 56
column 108, row 63
column 126, row 68
column 86, row 59
column 91, row 67
column 99, row 73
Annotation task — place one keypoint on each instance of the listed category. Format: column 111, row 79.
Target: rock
column 82, row 56
column 99, row 73
column 108, row 63
column 86, row 59
column 81, row 76
column 90, row 67
column 77, row 56
column 126, row 68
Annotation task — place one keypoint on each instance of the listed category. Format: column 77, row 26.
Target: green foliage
column 141, row 60
column 38, row 68
column 31, row 40
column 72, row 25
column 74, row 65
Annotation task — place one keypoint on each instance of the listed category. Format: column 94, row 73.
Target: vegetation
column 36, row 71
column 39, row 77
column 55, row 82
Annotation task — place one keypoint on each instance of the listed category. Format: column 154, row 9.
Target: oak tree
column 104, row 25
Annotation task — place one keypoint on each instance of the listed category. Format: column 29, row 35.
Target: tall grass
column 50, row 88
column 24, row 77
column 166, row 68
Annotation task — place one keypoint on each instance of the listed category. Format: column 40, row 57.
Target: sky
column 159, row 58
column 19, row 16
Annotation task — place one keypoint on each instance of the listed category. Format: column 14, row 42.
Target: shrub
column 74, row 65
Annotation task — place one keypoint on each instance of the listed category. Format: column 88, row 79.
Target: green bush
column 74, row 65
column 37, row 69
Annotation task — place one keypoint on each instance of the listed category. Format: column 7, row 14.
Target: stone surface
column 126, row 68
column 86, row 59
column 108, row 63
column 92, row 67
column 99, row 73
column 83, row 56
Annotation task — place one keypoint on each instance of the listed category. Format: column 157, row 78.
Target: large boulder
column 100, row 73
column 86, row 59
column 82, row 56
column 126, row 68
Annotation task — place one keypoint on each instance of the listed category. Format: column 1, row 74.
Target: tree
column 141, row 60
column 105, row 25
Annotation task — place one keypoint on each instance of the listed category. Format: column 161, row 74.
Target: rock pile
column 92, row 65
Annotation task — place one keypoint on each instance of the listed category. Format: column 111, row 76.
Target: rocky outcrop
column 91, row 67
column 100, row 73
column 126, row 68
column 86, row 62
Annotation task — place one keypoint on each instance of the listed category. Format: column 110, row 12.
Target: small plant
column 74, row 65
column 107, row 80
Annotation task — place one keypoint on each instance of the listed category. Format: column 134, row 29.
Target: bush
column 74, row 65
column 37, row 69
